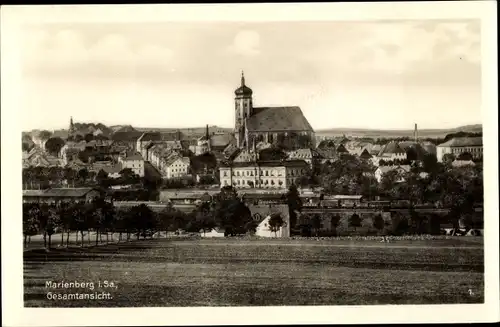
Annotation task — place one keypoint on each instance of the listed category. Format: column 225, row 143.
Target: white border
column 15, row 315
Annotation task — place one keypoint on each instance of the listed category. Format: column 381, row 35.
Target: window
column 267, row 173
column 237, row 173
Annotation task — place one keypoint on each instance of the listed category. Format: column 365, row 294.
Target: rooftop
column 59, row 192
column 266, row 119
column 463, row 141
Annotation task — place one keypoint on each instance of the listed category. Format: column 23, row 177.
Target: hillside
column 379, row 133
column 188, row 131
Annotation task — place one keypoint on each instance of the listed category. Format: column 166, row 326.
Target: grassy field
column 228, row 272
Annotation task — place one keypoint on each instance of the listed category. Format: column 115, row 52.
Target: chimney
column 416, row 134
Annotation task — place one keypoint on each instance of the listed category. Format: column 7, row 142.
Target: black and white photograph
column 199, row 162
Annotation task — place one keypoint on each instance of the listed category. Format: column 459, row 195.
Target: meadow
column 256, row 272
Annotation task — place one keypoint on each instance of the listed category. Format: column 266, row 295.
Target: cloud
column 246, row 43
column 67, row 52
column 397, row 48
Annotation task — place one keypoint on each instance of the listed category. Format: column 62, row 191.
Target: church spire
column 71, row 126
column 242, row 78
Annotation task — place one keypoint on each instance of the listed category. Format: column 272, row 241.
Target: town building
column 308, row 155
column 392, row 151
column 460, row 145
column 177, row 167
column 283, row 125
column 262, row 174
column 57, row 195
column 134, row 161
column 462, row 163
column 214, row 143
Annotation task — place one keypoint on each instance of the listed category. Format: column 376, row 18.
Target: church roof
column 269, row 119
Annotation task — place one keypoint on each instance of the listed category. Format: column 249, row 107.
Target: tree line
column 102, row 218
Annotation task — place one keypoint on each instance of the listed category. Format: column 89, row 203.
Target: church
column 286, row 127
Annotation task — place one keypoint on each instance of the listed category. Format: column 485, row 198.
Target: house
column 186, row 196
column 127, row 139
column 341, row 150
column 69, row 152
column 264, row 230
column 262, row 174
column 392, row 151
column 112, row 170
column 262, row 211
column 462, row 163
column 42, row 160
column 214, row 232
column 134, row 161
column 382, row 170
column 460, row 145
column 263, row 198
column 149, row 138
column 57, row 195
column 308, row 155
column 365, row 154
column 177, row 167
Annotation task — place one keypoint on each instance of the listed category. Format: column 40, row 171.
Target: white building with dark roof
column 133, row 161
column 262, row 174
column 392, row 151
column 459, row 145
column 283, row 125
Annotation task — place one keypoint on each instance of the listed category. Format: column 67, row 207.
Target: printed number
column 470, row 292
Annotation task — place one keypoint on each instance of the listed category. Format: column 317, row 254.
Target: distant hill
column 379, row 133
column 125, row 128
column 194, row 131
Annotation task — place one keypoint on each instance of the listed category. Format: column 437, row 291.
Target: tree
column 448, row 158
column 27, row 146
column 54, row 145
column 275, row 223
column 49, row 222
column 83, row 174
column 316, row 223
column 399, row 224
column 230, row 212
column 294, row 204
column 355, row 221
column 430, row 163
column 103, row 179
column 145, row 221
column 78, row 138
column 44, row 135
column 378, row 222
column 334, row 222
column 88, row 137
column 465, row 156
column 30, row 221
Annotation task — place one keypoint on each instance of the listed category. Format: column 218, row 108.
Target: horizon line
column 225, row 127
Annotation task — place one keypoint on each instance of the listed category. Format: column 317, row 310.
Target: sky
column 371, row 74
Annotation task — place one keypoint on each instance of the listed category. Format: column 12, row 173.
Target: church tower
column 243, row 108
column 71, row 127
